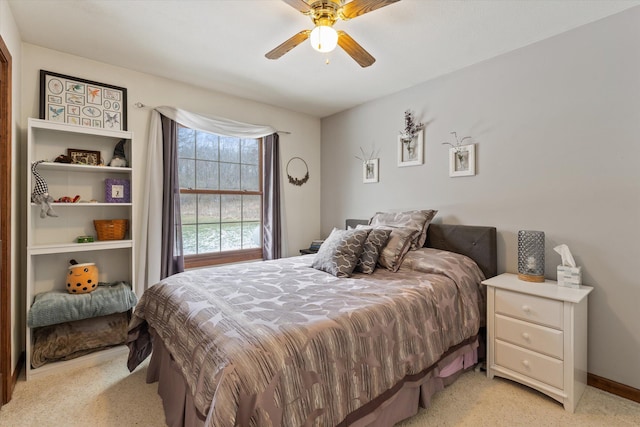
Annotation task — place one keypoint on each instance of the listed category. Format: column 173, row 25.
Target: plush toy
column 82, row 278
column 119, row 159
column 40, row 194
column 67, row 199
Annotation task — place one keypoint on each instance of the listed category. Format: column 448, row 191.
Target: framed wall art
column 84, row 157
column 462, row 160
column 410, row 150
column 117, row 190
column 82, row 102
column 370, row 171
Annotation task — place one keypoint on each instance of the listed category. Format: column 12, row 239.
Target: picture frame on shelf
column 117, row 190
column 411, row 151
column 462, row 160
column 370, row 171
column 84, row 157
column 82, row 102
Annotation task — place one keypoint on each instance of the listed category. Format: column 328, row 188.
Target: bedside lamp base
column 531, row 278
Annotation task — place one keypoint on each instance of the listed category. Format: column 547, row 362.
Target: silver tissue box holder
column 569, row 277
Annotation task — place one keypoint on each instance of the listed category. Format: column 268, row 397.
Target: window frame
column 236, row 255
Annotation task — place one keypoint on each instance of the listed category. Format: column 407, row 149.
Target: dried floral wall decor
column 462, row 157
column 410, row 142
column 370, row 164
column 298, row 181
column 410, row 151
column 411, row 128
column 370, row 171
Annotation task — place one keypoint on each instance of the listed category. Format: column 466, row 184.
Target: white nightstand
column 537, row 336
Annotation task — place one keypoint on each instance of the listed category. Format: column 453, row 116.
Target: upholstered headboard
column 476, row 242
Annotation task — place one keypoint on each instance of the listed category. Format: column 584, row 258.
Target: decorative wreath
column 298, row 181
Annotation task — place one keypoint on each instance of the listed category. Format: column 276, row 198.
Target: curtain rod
column 141, row 105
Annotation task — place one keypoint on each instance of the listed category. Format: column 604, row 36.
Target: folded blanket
column 74, row 339
column 50, row 308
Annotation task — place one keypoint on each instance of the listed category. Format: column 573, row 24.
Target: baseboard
column 16, row 373
column 613, row 387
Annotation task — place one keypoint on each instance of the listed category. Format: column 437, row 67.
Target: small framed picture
column 84, row 157
column 462, row 160
column 410, row 151
column 117, row 190
column 370, row 171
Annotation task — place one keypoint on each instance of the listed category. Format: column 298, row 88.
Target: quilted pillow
column 396, row 248
column 376, row 240
column 340, row 252
column 417, row 220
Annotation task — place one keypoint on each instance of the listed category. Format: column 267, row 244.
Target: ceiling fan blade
column 300, row 5
column 288, row 45
column 354, row 50
column 356, row 8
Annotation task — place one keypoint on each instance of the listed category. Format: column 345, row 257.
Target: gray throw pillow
column 376, row 240
column 340, row 252
column 417, row 220
column 396, row 248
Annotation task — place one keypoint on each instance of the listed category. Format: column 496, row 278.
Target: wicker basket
column 111, row 229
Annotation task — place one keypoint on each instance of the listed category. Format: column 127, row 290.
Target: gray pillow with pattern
column 340, row 252
column 417, row 220
column 371, row 249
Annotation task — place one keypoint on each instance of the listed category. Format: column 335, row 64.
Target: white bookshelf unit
column 51, row 241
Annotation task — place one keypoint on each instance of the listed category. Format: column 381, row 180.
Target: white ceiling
column 220, row 44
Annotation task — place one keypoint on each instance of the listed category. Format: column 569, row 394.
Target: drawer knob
column 526, row 336
column 526, row 308
column 525, row 363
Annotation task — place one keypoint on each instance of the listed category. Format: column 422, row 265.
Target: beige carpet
column 107, row 395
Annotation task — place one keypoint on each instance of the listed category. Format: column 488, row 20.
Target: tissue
column 565, row 254
column 568, row 274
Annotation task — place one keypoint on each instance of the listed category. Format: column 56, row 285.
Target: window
column 220, row 197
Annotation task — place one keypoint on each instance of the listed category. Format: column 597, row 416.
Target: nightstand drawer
column 529, row 335
column 530, row 308
column 526, row 362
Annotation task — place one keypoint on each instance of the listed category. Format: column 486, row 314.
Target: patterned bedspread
column 280, row 343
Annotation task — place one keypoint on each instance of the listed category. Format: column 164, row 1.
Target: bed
column 278, row 343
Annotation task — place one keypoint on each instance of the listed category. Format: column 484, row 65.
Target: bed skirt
column 396, row 404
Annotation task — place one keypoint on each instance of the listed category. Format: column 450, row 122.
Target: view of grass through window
column 220, row 192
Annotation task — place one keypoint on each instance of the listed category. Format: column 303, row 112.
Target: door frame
column 6, row 377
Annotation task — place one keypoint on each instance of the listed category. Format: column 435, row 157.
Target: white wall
column 556, row 126
column 11, row 38
column 301, row 205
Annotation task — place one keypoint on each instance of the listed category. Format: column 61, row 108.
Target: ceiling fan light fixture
column 323, row 38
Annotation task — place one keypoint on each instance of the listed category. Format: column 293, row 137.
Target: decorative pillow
column 431, row 213
column 438, row 261
column 396, row 248
column 417, row 220
column 376, row 240
column 340, row 252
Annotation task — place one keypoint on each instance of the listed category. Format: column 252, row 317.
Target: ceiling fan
column 324, row 38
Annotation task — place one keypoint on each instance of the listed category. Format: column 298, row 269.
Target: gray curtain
column 271, row 222
column 172, row 257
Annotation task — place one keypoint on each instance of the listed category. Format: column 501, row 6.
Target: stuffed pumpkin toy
column 82, row 278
